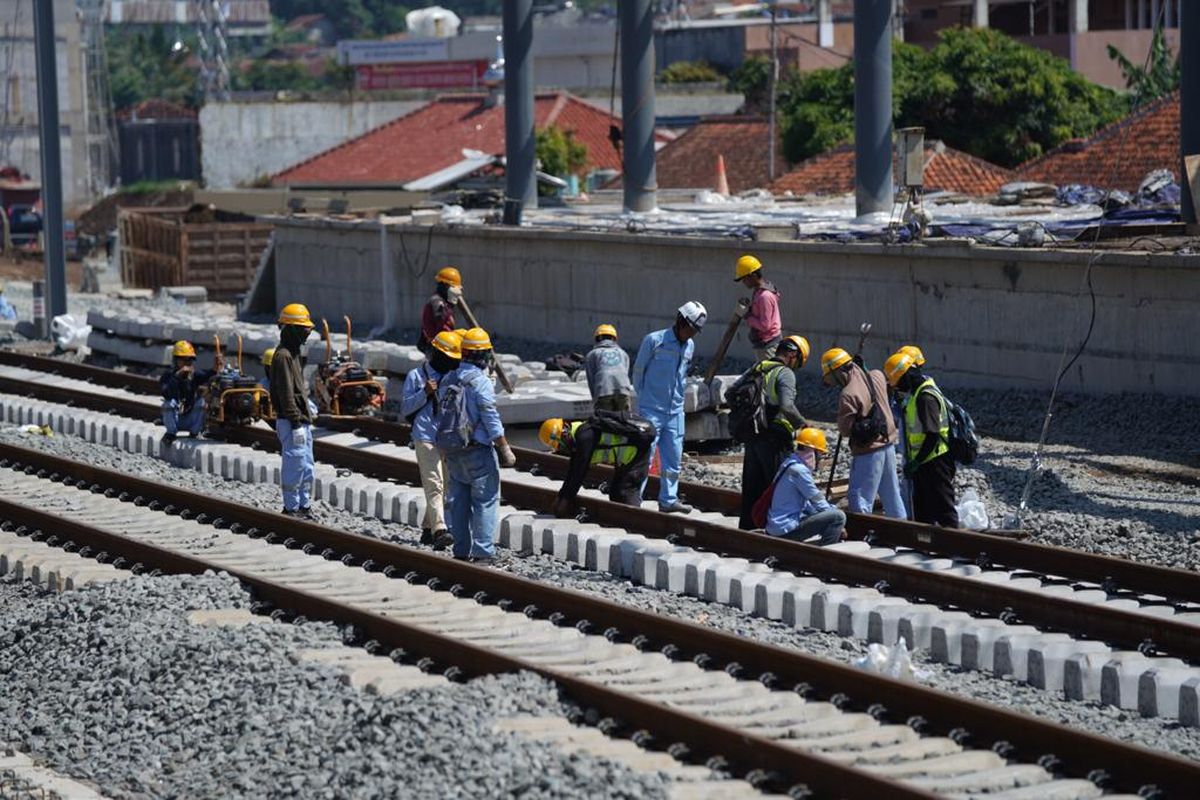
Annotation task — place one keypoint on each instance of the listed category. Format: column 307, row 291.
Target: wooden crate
column 159, row 249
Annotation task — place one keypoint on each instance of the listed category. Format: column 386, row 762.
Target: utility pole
column 637, row 104
column 772, row 79
column 1189, row 99
column 48, row 127
column 872, row 106
column 520, row 147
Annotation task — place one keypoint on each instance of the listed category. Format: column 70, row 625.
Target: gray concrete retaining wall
column 987, row 317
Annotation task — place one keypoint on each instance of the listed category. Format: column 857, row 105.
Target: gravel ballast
column 1158, row 733
column 112, row 685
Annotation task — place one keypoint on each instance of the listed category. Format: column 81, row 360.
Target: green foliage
column 689, row 72
column 977, row 89
column 142, row 66
column 274, row 76
column 559, row 153
column 1159, row 76
column 360, row 19
column 753, row 81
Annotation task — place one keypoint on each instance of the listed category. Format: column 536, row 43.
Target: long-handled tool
column 863, row 330
column 504, row 381
column 726, row 340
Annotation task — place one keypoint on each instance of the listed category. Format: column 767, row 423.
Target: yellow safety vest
column 610, row 448
column 912, row 427
column 771, row 368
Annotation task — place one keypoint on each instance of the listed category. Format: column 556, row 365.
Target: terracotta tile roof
column 952, row 170
column 690, row 161
column 156, row 108
column 1118, row 156
column 434, row 136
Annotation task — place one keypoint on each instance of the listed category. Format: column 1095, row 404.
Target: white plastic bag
column 971, row 512
column 69, row 333
column 894, row 662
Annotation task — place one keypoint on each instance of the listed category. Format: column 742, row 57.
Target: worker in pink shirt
column 761, row 310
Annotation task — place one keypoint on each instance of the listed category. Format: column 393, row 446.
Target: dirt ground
column 31, row 267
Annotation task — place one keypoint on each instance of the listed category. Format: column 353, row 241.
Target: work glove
column 298, row 437
column 507, row 457
column 743, row 307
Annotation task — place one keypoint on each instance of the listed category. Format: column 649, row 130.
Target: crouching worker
column 183, row 404
column 798, row 509
column 622, row 440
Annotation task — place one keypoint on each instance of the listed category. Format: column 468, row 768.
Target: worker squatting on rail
column 182, row 400
column 619, row 438
column 293, row 410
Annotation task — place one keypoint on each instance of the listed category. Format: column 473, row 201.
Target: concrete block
column 1011, row 653
column 1121, row 676
column 770, row 591
column 603, row 553
column 1189, row 703
column 825, row 604
column 646, row 560
column 854, row 613
column 885, row 625
column 626, row 550
column 1047, row 668
column 945, row 636
column 719, row 575
column 672, row 571
column 1160, row 690
column 798, row 601
column 743, row 589
column 979, row 642
column 516, row 531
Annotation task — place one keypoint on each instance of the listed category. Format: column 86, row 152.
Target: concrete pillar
column 979, row 13
column 1141, row 15
column 51, row 153
column 872, row 106
column 637, row 104
column 520, row 185
column 825, row 23
column 1050, row 4
column 1189, row 96
column 1128, row 15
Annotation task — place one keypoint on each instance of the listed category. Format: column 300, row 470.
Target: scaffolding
column 213, row 51
column 102, row 151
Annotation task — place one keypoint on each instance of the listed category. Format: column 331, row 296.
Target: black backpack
column 871, row 427
column 747, row 402
column 963, row 441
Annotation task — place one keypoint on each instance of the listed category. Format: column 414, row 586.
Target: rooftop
column 690, row 161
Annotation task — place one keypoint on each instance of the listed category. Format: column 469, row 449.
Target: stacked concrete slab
column 1083, row 670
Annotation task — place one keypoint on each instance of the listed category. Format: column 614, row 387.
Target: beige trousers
column 433, row 481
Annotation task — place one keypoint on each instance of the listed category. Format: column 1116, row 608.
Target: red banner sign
column 428, row 75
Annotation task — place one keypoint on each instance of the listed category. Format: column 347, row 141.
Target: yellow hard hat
column 449, row 275
column 183, row 349
column 917, row 356
column 895, row 367
column 268, row 356
column 834, row 358
column 800, row 343
column 476, row 339
column 551, row 432
column 605, row 330
column 812, row 437
column 295, row 314
column 448, row 342
column 746, row 265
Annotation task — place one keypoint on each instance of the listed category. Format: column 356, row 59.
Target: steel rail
column 1022, row 737
column 1123, row 629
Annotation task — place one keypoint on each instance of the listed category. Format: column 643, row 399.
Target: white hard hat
column 695, row 313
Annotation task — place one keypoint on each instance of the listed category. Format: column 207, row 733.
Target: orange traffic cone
column 656, row 464
column 722, row 184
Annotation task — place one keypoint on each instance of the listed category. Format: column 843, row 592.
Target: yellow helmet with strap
column 449, row 343
column 476, row 339
column 834, row 358
column 551, row 432
column 896, row 366
column 183, row 349
column 295, row 314
column 605, row 330
column 449, row 276
column 746, row 265
column 812, row 437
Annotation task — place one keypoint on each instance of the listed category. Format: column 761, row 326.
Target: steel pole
column 48, row 125
column 872, row 106
column 1189, row 98
column 637, row 104
column 771, row 89
column 520, row 185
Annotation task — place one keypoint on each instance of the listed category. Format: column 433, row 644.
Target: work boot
column 426, row 536
column 489, row 561
column 305, row 513
column 442, row 540
column 290, row 512
column 167, row 440
column 675, row 508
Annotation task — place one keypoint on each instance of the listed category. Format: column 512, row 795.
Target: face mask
column 809, row 458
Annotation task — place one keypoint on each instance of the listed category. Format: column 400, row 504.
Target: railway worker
column 901, row 435
column 761, row 309
column 927, row 459
column 767, row 448
column 473, row 467
column 183, row 402
column 607, row 368
column 438, row 313
column 419, row 406
column 267, row 355
column 293, row 411
column 621, row 439
column 6, row 308
column 659, row 375
column 799, row 509
column 865, row 419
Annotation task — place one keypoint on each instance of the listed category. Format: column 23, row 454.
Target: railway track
column 1128, row 606
column 781, row 719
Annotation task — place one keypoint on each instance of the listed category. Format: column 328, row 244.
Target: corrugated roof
column 952, row 170
column 1118, row 156
column 434, row 136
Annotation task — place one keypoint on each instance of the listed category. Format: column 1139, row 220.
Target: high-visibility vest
column 772, row 369
column 915, row 436
column 610, row 448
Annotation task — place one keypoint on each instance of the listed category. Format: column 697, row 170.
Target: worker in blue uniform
column 659, row 375
column 182, row 401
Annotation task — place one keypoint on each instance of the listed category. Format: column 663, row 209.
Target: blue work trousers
column 473, row 500
column 826, row 525
column 296, row 474
column 191, row 421
column 872, row 474
column 668, row 438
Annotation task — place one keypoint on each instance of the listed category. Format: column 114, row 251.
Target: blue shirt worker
column 419, row 406
column 607, row 370
column 6, row 308
column 659, row 375
column 799, row 509
column 473, row 471
column 183, row 405
column 293, row 415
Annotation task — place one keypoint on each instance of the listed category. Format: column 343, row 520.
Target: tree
column 559, row 153
column 1160, row 75
column 752, row 80
column 145, row 65
column 978, row 90
column 689, row 72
